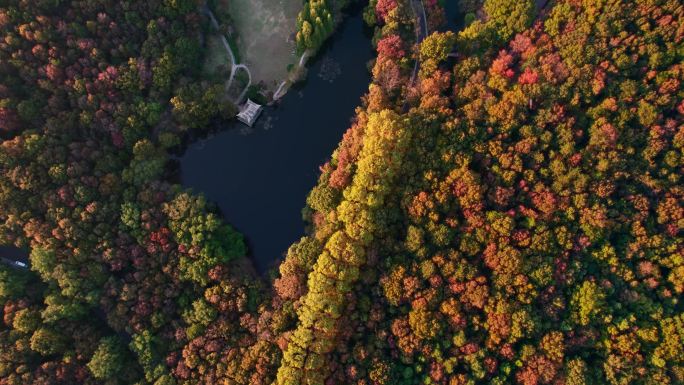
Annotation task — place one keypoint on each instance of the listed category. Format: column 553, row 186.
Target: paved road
column 419, row 11
column 421, row 34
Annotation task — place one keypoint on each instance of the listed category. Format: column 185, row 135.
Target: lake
column 260, row 177
column 14, row 257
column 454, row 17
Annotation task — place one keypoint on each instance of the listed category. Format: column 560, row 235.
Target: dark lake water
column 454, row 17
column 14, row 253
column 259, row 177
column 14, row 257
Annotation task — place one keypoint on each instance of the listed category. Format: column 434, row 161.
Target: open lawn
column 265, row 36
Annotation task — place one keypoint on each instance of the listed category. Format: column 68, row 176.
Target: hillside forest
column 506, row 207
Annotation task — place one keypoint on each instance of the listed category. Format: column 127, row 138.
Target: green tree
column 509, row 17
column 108, row 360
column 48, row 341
column 198, row 229
column 147, row 163
column 435, row 49
column 12, row 283
column 587, row 303
column 164, row 71
column 194, row 105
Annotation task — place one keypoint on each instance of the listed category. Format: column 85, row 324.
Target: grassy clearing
column 265, row 30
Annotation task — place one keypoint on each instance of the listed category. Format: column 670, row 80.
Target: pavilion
column 249, row 112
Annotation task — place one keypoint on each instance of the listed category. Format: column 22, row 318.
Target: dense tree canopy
column 92, row 94
column 315, row 24
column 532, row 233
column 513, row 214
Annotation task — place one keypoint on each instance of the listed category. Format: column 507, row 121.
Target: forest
column 507, row 206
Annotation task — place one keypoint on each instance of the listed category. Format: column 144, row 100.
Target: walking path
column 249, row 82
column 282, row 87
column 276, row 94
column 234, row 67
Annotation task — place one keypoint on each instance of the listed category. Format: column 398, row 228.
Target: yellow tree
column 337, row 267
